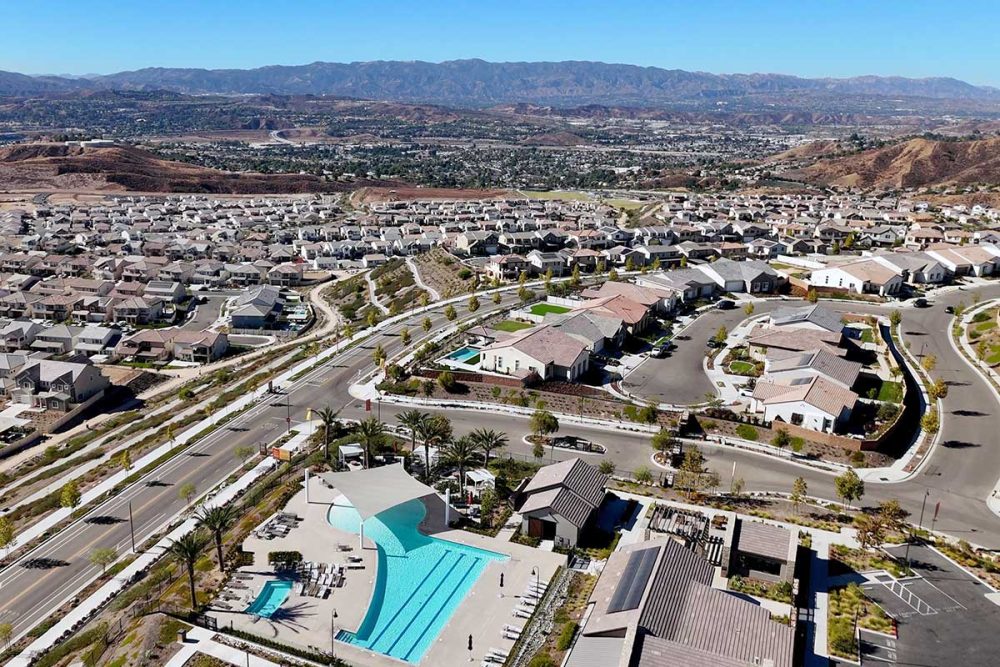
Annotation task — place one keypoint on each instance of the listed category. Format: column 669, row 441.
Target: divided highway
column 960, row 474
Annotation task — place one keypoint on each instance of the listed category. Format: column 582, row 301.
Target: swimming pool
column 271, row 597
column 421, row 580
column 465, row 355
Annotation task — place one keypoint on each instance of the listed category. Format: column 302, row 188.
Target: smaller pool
column 270, row 598
column 464, row 355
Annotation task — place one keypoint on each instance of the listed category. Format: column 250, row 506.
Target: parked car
column 725, row 304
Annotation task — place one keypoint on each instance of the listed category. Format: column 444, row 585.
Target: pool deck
column 306, row 621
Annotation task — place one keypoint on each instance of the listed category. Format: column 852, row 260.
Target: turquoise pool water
column 464, row 354
column 421, row 580
column 271, row 597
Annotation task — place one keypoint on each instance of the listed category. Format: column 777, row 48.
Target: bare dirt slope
column 914, row 163
column 59, row 166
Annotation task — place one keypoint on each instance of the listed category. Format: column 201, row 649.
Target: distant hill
column 554, row 139
column 58, row 166
column 909, row 164
column 479, row 83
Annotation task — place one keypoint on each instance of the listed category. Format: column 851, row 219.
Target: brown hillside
column 811, row 150
column 910, row 164
column 55, row 166
column 554, row 139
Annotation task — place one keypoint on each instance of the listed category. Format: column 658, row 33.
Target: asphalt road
column 34, row 586
column 960, row 477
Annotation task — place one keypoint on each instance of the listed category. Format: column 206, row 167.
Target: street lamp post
column 920, row 525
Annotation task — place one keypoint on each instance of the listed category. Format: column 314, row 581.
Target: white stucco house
column 544, row 350
column 815, row 402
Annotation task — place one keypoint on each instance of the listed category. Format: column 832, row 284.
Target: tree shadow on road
column 44, row 563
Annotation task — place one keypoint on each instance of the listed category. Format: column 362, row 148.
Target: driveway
column 205, row 314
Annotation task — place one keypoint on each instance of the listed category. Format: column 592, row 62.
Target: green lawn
column 511, row 326
column 741, row 367
column 548, row 308
column 867, row 336
column 891, row 392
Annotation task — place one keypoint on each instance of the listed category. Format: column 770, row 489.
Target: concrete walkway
column 372, row 296
column 434, row 294
column 200, row 640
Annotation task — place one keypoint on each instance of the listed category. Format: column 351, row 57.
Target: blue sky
column 802, row 37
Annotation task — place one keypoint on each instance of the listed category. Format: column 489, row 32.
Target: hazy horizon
column 829, row 40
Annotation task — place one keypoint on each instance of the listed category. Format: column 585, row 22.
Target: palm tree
column 462, row 453
column 488, row 440
column 436, row 430
column 186, row 550
column 412, row 419
column 372, row 432
column 218, row 520
column 328, row 416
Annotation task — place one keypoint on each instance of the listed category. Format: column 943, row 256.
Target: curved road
column 960, row 474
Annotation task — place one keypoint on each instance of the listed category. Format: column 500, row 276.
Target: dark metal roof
column 634, row 579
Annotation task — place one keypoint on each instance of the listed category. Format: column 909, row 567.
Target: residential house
column 561, row 501
column 545, row 351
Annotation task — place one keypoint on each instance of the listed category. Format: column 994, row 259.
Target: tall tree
column 799, row 491
column 328, row 417
column 488, row 441
column 371, row 432
column 436, row 431
column 186, row 550
column 849, row 487
column 217, row 520
column 7, row 534
column 103, row 556
column 463, row 453
column 69, row 495
column 412, row 419
column 544, row 423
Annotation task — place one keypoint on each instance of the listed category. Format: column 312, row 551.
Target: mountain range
column 477, row 83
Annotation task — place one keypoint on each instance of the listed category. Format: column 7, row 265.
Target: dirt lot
column 367, row 195
column 443, row 272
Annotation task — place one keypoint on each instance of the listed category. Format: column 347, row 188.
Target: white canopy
column 375, row 490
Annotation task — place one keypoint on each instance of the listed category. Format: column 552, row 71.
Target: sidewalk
column 434, row 294
column 200, row 640
column 146, row 559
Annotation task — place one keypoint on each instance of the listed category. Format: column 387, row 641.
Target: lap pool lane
column 421, row 580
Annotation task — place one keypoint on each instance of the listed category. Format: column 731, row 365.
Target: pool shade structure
column 374, row 490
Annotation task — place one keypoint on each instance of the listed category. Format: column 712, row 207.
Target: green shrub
column 841, row 637
column 542, row 660
column 747, row 432
column 566, row 636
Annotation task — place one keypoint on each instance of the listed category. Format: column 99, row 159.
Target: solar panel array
column 634, row 578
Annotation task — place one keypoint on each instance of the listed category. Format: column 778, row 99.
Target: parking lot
column 942, row 613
